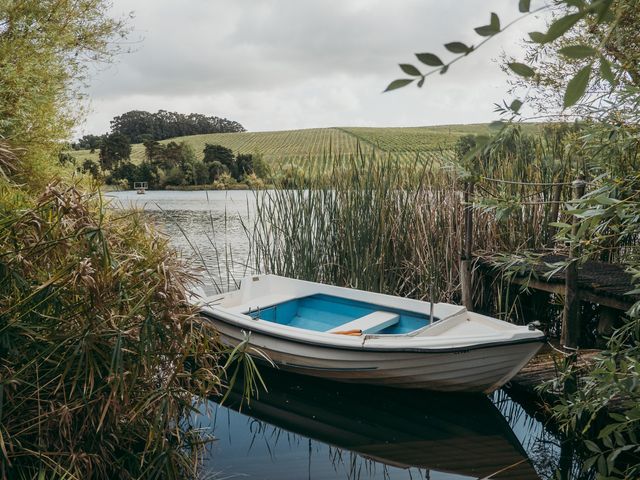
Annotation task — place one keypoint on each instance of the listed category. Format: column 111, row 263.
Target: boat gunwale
column 363, row 347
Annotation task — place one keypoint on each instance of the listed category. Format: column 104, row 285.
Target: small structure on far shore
column 140, row 187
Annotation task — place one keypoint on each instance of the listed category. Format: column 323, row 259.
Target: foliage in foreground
column 586, row 65
column 101, row 356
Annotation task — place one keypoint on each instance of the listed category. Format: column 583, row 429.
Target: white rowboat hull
column 432, row 361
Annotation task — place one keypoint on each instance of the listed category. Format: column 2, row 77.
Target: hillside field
column 300, row 146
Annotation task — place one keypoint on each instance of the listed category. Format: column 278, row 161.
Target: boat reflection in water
column 365, row 432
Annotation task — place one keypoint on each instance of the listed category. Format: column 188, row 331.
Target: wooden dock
column 601, row 283
column 544, row 367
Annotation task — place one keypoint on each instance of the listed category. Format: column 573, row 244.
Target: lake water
column 314, row 429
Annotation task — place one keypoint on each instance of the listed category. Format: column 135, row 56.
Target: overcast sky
column 288, row 64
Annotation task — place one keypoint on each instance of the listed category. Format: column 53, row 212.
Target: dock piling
column 467, row 248
column 571, row 322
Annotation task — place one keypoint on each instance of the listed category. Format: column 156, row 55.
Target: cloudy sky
column 287, row 64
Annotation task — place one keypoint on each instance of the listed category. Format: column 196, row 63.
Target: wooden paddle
column 354, row 333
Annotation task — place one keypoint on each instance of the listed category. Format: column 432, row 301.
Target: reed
column 369, row 223
column 102, row 359
column 379, row 223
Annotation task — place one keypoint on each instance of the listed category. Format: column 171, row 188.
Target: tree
column 44, row 45
column 224, row 155
column 114, row 149
column 138, row 125
column 244, row 165
column 216, row 169
column 126, row 171
column 88, row 142
column 175, row 176
column 200, row 173
column 153, row 151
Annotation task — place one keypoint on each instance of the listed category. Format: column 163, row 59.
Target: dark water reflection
column 310, row 428
column 314, row 429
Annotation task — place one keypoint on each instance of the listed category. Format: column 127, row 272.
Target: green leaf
column 537, row 37
column 402, row 82
column 486, row 31
column 495, row 22
column 577, row 86
column 429, row 59
column 606, row 72
column 444, row 69
column 524, row 6
column 577, row 51
column 491, row 29
column 603, row 9
column 521, row 69
column 420, row 82
column 561, row 26
column 515, row 105
column 604, row 200
column 410, row 70
column 592, row 446
column 458, row 47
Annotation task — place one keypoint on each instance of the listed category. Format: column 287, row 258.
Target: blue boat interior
column 322, row 313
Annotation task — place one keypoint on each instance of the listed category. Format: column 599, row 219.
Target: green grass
column 298, row 146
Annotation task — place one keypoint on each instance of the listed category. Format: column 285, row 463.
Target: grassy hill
column 298, row 146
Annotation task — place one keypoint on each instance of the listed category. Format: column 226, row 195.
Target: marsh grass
column 102, row 358
column 370, row 223
column 378, row 223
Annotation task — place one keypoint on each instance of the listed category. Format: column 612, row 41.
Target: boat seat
column 372, row 323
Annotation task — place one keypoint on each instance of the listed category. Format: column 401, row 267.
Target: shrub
column 216, row 169
column 98, row 344
column 200, row 173
column 174, row 176
column 244, row 165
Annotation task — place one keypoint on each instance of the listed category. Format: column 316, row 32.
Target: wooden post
column 571, row 324
column 467, row 248
column 556, row 196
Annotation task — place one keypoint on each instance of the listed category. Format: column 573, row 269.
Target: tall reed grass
column 101, row 356
column 372, row 225
column 380, row 224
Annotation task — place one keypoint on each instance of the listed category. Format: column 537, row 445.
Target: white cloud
column 283, row 64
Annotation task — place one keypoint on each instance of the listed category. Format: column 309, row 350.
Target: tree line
column 174, row 164
column 139, row 126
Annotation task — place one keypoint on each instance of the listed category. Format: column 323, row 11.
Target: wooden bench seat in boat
column 372, row 323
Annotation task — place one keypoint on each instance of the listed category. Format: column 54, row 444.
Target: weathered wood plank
column 598, row 282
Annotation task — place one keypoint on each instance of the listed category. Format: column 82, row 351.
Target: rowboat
column 356, row 336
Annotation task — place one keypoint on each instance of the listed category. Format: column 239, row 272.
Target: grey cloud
column 250, row 56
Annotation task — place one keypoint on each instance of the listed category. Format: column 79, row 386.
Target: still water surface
column 314, row 429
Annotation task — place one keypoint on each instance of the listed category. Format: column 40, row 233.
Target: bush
column 254, row 182
column 244, row 165
column 216, row 169
column 260, row 167
column 87, row 304
column 90, row 167
column 126, row 171
column 200, row 173
column 174, row 176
